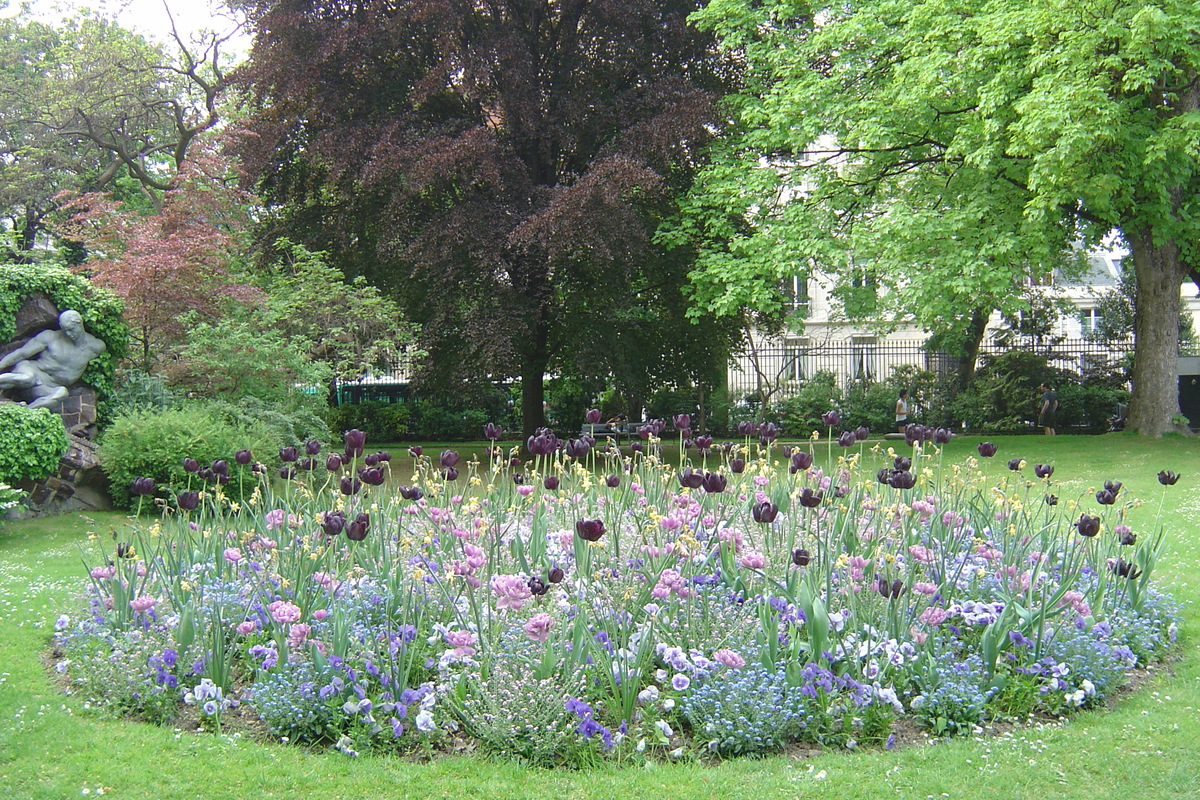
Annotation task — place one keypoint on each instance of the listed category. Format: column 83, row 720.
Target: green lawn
column 1147, row 747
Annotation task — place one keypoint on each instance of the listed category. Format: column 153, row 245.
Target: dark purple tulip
column 518, row 478
column 550, row 482
column 690, row 478
column 913, row 433
column 258, row 468
column 371, row 460
column 1105, row 498
column 809, row 498
column 450, row 474
column 191, row 465
column 141, row 486
column 861, row 433
column 841, row 491
column 768, row 432
column 350, row 486
column 1113, row 486
column 902, row 480
column 686, row 433
column 891, row 590
column 537, row 586
column 942, row 436
column 659, row 426
column 1124, row 569
column 514, row 462
column 220, row 467
column 704, row 443
column 847, row 439
column 1043, row 470
column 576, row 448
column 746, row 428
column 714, row 482
column 287, row 472
column 737, row 465
column 357, row 531
column 1051, row 500
column 384, row 455
column 312, row 447
column 411, row 493
column 308, row 464
column 902, row 463
column 448, row 458
column 1128, row 539
column 1167, row 478
column 371, row 476
column 1014, row 464
column 355, row 440
column 188, row 501
column 333, row 523
column 243, row 457
column 764, row 512
column 682, row 421
column 206, row 474
column 801, row 460
column 415, row 451
column 1087, row 526
column 637, row 447
column 831, row 418
column 646, row 431
column 986, row 449
column 556, row 575
column 801, row 557
column 289, row 454
column 542, row 444
column 592, row 417
column 590, row 529
column 333, row 463
column 612, row 481
column 222, row 479
column 492, row 431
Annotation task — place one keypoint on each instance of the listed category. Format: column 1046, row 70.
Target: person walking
column 1048, row 417
column 902, row 410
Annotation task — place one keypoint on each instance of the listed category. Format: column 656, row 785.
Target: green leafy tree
column 959, row 149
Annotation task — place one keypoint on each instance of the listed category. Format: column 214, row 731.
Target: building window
column 795, row 294
column 1090, row 319
column 795, row 360
column 863, row 358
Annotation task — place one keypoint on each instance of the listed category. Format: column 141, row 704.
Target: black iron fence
column 779, row 370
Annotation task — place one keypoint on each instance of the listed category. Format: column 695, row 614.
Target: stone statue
column 45, row 367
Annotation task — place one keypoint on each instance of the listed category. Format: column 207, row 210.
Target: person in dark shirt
column 1048, row 416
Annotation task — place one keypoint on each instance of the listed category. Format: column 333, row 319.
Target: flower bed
column 589, row 604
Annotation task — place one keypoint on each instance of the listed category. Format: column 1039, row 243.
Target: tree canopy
column 957, row 149
column 500, row 166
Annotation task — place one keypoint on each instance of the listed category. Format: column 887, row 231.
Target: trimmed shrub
column 382, row 422
column 31, row 442
column 800, row 414
column 154, row 444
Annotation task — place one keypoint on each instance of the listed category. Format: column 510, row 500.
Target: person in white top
column 902, row 410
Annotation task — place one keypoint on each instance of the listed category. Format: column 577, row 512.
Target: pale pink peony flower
column 298, row 635
column 233, row 555
column 934, row 615
column 511, row 591
column 284, row 612
column 248, row 627
column 753, row 560
column 274, row 518
column 143, row 604
column 538, row 627
column 462, row 642
column 729, row 658
column 101, row 573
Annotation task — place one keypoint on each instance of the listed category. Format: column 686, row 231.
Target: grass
column 1147, row 746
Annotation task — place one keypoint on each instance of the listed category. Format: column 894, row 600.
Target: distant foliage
column 31, row 442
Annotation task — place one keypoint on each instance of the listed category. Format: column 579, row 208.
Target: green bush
column 800, row 414
column 382, row 422
column 31, row 442
column 872, row 405
column 153, row 444
column 1003, row 395
column 292, row 421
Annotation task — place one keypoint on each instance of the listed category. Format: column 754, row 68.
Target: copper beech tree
column 500, row 166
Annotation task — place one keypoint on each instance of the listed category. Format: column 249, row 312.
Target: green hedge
column 31, row 442
column 153, row 444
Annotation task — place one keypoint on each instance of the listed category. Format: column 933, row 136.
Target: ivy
column 100, row 309
column 31, row 442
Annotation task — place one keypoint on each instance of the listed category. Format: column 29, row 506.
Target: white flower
column 425, row 722
column 649, row 694
column 664, row 728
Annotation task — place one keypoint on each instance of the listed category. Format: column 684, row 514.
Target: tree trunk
column 968, row 357
column 1159, row 273
column 533, row 391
